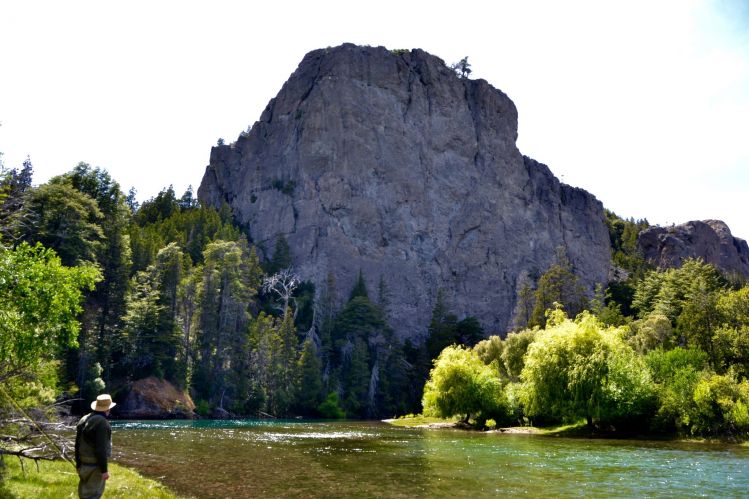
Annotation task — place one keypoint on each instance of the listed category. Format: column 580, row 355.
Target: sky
column 643, row 103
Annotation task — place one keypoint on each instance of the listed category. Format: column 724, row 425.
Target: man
column 93, row 446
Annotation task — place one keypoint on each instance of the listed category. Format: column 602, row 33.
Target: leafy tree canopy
column 39, row 301
column 580, row 369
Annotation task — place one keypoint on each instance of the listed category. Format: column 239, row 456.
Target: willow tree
column 461, row 384
column 582, row 369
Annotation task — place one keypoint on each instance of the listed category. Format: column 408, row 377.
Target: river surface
column 235, row 459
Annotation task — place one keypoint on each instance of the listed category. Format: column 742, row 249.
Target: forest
column 98, row 291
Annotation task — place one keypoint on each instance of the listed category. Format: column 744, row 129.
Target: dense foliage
column 97, row 291
column 176, row 291
column 679, row 366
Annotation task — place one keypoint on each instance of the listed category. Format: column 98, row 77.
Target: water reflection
column 371, row 459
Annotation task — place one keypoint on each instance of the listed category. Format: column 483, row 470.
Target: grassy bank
column 57, row 479
column 412, row 421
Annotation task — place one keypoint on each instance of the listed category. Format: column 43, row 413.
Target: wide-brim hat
column 103, row 403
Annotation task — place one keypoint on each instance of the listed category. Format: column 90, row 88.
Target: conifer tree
column 560, row 285
column 309, row 388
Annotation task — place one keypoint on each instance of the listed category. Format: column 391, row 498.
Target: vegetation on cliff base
column 181, row 296
column 679, row 368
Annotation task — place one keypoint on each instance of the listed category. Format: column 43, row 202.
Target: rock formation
column 392, row 164
column 152, row 398
column 710, row 240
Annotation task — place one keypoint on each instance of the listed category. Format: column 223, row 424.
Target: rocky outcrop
column 152, row 398
column 710, row 240
column 392, row 164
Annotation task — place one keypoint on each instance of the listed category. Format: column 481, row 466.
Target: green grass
column 412, row 420
column 57, row 479
column 579, row 429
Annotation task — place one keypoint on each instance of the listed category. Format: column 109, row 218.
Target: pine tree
column 227, row 288
column 281, row 256
column 309, row 388
column 360, row 288
column 559, row 285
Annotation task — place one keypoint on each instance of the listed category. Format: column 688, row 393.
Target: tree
column 515, row 347
column 131, row 200
column 67, row 221
column 281, row 256
column 359, row 335
column 15, row 188
column 462, row 67
column 442, row 327
column 106, row 305
column 560, row 285
column 605, row 308
column 282, row 283
column 360, row 288
column 265, row 367
column 461, row 384
column 625, row 252
column 188, row 201
column 308, row 385
column 655, row 331
column 230, row 278
column 523, row 307
column 39, row 301
column 151, row 326
column 580, row 369
column 666, row 292
column 721, row 406
column 688, row 296
column 490, row 352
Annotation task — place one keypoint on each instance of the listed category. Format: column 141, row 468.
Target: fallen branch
column 60, row 447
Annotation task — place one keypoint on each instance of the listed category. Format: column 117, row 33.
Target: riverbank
column 55, row 479
column 576, row 430
column 420, row 421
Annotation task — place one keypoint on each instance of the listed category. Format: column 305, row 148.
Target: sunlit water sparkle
column 221, row 459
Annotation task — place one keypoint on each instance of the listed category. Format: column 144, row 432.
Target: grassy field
column 57, row 479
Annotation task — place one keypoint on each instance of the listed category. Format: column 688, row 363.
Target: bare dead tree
column 283, row 283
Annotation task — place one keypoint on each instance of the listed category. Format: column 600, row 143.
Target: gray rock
column 710, row 240
column 153, row 398
column 393, row 165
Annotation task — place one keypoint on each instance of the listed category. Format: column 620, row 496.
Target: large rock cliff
column 710, row 240
column 392, row 164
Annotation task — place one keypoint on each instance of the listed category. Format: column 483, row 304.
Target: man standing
column 93, row 446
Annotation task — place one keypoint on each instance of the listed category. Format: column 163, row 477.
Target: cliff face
column 392, row 164
column 710, row 240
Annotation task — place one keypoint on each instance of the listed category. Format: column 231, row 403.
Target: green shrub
column 330, row 408
column 203, row 408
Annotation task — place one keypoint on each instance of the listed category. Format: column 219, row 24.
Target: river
column 235, row 459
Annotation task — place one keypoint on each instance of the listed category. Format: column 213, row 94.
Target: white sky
column 643, row 103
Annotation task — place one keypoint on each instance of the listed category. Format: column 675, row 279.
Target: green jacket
column 93, row 441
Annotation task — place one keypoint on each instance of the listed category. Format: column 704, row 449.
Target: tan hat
column 103, row 403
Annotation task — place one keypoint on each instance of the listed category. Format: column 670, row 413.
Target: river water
column 234, row 459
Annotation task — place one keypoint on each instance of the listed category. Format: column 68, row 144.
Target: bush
column 203, row 408
column 721, row 406
column 330, row 408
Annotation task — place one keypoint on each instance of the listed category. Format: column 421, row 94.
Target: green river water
column 235, row 459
